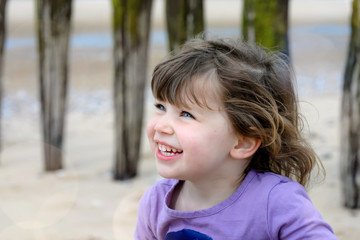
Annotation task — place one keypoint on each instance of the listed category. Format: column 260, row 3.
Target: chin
column 166, row 174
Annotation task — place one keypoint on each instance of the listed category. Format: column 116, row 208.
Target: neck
column 205, row 192
column 195, row 195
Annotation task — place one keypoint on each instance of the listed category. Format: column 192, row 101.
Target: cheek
column 150, row 131
column 193, row 144
column 207, row 144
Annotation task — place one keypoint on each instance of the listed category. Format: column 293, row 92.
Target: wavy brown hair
column 257, row 90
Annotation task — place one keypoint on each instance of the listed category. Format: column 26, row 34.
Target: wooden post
column 350, row 117
column 53, row 30
column 266, row 22
column 2, row 43
column 185, row 19
column 131, row 27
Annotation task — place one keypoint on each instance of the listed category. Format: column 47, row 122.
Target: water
column 159, row 37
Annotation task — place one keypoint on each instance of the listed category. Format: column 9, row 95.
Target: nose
column 163, row 125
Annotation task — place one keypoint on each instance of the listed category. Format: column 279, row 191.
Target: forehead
column 203, row 90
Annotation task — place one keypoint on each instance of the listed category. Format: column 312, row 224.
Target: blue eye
column 186, row 114
column 160, row 107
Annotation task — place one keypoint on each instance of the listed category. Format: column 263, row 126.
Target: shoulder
column 273, row 183
column 281, row 192
column 271, row 191
column 289, row 211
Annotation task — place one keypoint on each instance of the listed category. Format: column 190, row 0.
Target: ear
column 245, row 147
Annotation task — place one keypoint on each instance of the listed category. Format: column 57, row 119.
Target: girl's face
column 192, row 143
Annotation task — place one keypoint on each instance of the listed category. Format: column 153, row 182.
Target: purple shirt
column 265, row 206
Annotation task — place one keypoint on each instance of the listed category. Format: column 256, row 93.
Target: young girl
column 226, row 136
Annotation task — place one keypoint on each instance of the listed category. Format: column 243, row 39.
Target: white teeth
column 167, row 151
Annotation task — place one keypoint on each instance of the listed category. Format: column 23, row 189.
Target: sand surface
column 82, row 202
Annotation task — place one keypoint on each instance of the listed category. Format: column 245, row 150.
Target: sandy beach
column 82, row 202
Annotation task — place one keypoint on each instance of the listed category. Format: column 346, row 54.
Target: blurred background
column 82, row 201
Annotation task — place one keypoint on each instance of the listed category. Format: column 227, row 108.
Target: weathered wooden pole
column 53, row 31
column 266, row 22
column 350, row 117
column 131, row 28
column 185, row 19
column 2, row 43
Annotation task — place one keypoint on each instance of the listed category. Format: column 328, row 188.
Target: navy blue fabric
column 186, row 234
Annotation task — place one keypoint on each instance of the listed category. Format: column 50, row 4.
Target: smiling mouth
column 168, row 151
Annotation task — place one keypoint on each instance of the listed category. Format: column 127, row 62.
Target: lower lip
column 162, row 157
